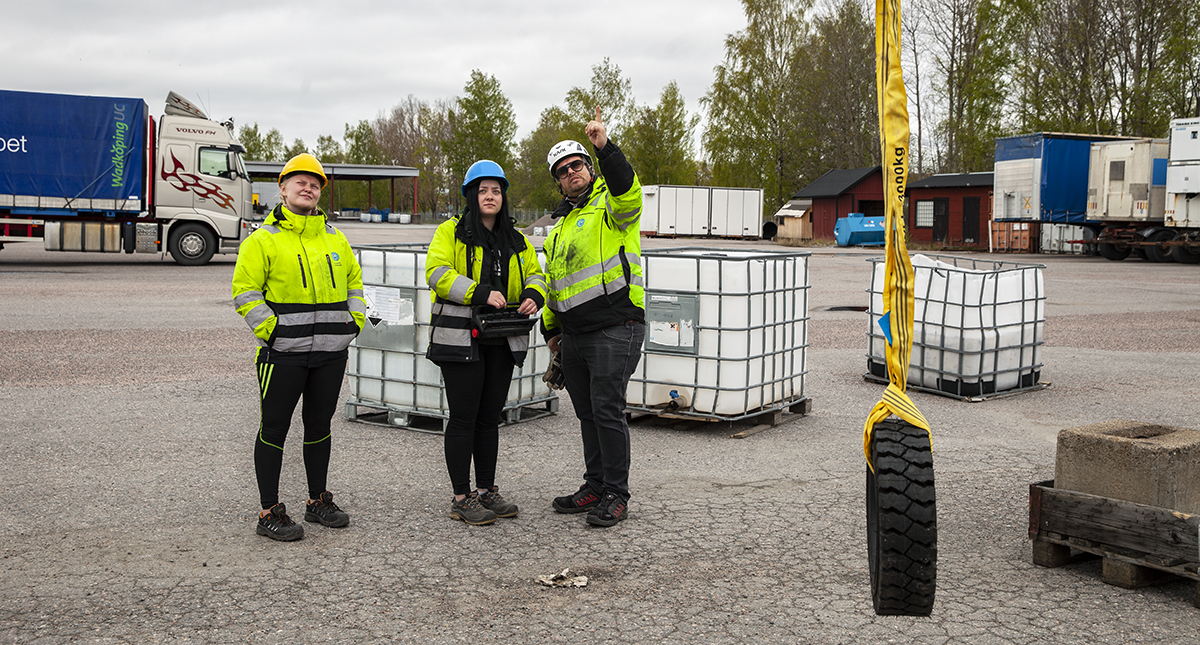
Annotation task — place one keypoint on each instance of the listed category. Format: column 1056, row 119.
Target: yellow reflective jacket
column 594, row 258
column 299, row 287
column 454, row 286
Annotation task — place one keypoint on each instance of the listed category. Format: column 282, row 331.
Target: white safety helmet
column 564, row 149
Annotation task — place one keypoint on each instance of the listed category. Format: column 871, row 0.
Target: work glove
column 554, row 376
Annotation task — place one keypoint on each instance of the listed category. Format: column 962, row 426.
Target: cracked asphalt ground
column 128, row 409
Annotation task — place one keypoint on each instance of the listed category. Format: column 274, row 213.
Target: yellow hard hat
column 303, row 162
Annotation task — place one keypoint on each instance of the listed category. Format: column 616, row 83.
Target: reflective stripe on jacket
column 453, row 292
column 299, row 286
column 594, row 261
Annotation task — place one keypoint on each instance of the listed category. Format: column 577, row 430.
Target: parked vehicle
column 97, row 174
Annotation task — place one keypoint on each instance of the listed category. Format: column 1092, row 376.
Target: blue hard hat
column 484, row 169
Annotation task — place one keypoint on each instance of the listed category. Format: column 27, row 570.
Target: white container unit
column 736, row 212
column 1127, row 180
column 388, row 370
column 726, row 333
column 1183, row 175
column 1071, row 239
column 698, row 211
column 977, row 327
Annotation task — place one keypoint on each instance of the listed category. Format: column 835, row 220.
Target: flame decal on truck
column 187, row 181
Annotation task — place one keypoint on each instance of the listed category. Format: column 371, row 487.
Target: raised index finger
column 598, row 119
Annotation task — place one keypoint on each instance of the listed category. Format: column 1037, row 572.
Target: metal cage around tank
column 389, row 373
column 727, row 334
column 977, row 330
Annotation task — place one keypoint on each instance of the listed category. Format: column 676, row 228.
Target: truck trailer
column 1143, row 193
column 98, row 174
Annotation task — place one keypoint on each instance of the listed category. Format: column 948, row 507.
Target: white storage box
column 388, row 370
column 726, row 333
column 977, row 327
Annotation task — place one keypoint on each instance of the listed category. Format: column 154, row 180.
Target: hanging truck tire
column 901, row 520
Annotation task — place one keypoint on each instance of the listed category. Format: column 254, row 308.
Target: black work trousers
column 280, row 388
column 476, row 392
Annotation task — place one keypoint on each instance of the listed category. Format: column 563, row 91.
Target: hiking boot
column 471, row 511
column 323, row 510
column 278, row 526
column 612, row 509
column 584, row 499
column 495, row 502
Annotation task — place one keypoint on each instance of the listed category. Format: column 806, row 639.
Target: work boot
column 584, row 499
column 323, row 510
column 495, row 502
column 278, row 526
column 612, row 509
column 471, row 511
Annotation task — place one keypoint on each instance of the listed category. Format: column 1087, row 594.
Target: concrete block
column 1132, row 576
column 1132, row 461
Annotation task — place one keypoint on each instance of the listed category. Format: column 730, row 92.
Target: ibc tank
column 726, row 333
column 388, row 369
column 977, row 326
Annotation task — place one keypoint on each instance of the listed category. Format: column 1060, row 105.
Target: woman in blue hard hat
column 300, row 289
column 479, row 260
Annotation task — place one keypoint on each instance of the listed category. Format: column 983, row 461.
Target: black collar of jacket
column 567, row 204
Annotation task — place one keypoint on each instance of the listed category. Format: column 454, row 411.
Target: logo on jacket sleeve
column 579, row 223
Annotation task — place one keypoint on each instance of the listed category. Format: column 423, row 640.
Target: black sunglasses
column 574, row 166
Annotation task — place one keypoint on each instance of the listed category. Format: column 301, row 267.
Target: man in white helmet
column 595, row 311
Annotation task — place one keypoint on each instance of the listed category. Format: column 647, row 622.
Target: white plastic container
column 405, row 218
column 726, row 332
column 977, row 327
column 388, row 369
column 1068, row 239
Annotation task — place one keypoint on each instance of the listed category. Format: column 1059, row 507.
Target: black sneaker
column 612, row 509
column 471, row 511
column 495, row 502
column 278, row 526
column 326, row 512
column 584, row 499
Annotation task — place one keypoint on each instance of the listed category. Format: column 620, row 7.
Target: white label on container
column 657, row 298
column 389, row 304
column 672, row 334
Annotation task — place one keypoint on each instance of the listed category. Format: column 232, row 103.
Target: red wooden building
column 840, row 192
column 951, row 210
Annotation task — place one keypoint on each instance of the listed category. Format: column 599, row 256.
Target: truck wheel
column 1159, row 253
column 1114, row 252
column 191, row 244
column 1185, row 255
column 901, row 521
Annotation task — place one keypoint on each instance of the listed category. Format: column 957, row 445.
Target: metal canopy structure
column 346, row 171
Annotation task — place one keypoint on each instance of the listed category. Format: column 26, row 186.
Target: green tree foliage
column 531, row 184
column 752, row 139
column 612, row 92
column 296, row 148
column 971, row 58
column 835, row 113
column 261, row 147
column 658, row 143
column 328, row 150
column 482, row 124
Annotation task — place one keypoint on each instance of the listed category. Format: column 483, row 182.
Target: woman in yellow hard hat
column 299, row 287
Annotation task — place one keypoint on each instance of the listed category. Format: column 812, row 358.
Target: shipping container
column 1127, row 180
column 701, row 211
column 1043, row 177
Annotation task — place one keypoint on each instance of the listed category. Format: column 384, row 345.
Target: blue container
column 856, row 229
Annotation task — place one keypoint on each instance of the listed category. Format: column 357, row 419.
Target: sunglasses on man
column 563, row 170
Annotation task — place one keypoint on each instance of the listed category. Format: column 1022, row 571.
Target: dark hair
column 470, row 226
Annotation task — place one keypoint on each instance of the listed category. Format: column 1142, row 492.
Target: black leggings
column 476, row 393
column 280, row 387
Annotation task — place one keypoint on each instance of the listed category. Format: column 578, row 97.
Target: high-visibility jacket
column 455, row 288
column 299, row 287
column 594, row 256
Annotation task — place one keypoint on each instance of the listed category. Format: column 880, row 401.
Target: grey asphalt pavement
column 128, row 408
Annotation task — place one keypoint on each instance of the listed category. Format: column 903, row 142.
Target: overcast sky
column 307, row 69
